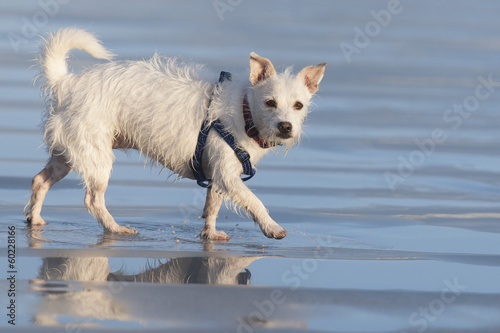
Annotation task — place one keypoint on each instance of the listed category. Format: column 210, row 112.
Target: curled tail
column 58, row 44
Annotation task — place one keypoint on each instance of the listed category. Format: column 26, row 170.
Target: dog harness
column 242, row 155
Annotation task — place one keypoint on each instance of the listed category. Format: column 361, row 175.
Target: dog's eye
column 272, row 103
column 298, row 106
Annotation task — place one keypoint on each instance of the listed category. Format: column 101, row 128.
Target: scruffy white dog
column 158, row 107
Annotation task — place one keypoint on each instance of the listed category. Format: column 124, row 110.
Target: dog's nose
column 285, row 128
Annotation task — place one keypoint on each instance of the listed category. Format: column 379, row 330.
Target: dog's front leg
column 210, row 211
column 236, row 191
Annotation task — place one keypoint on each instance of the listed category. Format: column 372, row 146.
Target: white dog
column 159, row 107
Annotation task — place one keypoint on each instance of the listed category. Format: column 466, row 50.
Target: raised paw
column 274, row 231
column 213, row 234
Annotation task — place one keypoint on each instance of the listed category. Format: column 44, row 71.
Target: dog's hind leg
column 94, row 201
column 55, row 170
column 210, row 211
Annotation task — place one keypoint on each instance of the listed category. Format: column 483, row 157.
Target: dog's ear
column 260, row 68
column 312, row 76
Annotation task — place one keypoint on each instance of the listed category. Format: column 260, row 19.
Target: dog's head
column 281, row 100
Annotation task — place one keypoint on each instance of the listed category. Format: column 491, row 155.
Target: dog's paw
column 212, row 234
column 35, row 220
column 274, row 231
column 124, row 230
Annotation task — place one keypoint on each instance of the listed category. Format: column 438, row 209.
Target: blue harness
column 243, row 156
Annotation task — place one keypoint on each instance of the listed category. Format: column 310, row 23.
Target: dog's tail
column 58, row 44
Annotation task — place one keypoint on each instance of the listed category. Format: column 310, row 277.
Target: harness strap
column 243, row 156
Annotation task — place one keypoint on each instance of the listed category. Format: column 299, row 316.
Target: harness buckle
column 242, row 155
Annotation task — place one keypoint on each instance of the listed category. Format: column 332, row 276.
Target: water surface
column 391, row 200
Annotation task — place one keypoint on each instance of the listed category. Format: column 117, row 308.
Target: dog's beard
column 280, row 145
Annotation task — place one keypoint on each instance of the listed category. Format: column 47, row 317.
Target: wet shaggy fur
column 157, row 107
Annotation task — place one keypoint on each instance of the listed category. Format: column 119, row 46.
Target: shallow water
column 391, row 200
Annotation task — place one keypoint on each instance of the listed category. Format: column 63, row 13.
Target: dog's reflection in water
column 86, row 304
column 204, row 270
